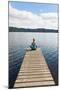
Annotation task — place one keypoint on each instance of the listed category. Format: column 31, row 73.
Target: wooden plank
column 31, row 74
column 34, row 71
column 28, row 84
column 33, row 79
column 37, row 70
column 35, row 76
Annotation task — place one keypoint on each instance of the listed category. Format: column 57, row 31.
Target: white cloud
column 25, row 19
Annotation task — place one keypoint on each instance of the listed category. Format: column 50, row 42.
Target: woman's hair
column 33, row 39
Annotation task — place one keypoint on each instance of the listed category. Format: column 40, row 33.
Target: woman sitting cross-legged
column 33, row 45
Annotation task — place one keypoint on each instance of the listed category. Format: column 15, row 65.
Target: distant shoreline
column 14, row 29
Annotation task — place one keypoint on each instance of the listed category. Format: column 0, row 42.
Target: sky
column 33, row 15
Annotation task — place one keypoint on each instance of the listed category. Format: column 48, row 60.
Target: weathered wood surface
column 34, row 71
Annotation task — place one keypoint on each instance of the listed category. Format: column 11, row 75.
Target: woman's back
column 33, row 46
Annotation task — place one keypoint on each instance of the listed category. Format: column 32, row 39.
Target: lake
column 19, row 41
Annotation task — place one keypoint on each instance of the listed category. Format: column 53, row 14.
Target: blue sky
column 34, row 7
column 33, row 15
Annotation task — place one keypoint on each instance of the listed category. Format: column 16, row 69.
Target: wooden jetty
column 34, row 71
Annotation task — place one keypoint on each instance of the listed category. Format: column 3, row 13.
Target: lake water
column 19, row 41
